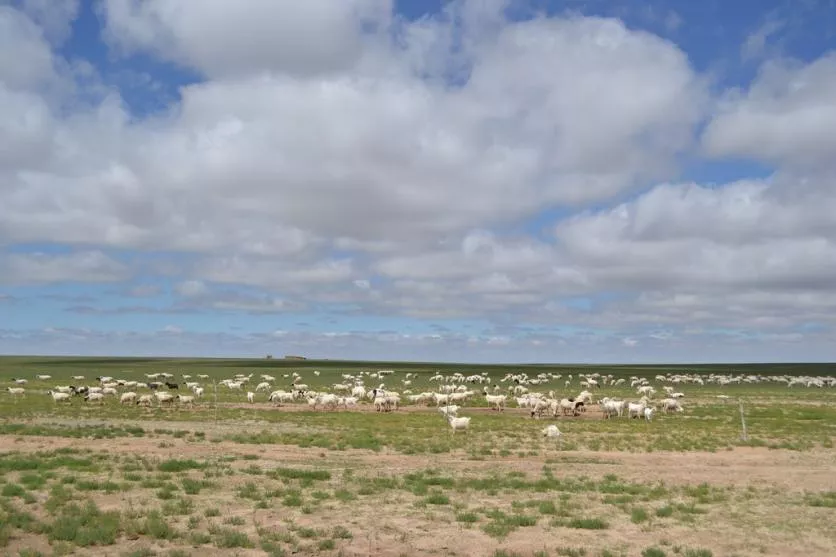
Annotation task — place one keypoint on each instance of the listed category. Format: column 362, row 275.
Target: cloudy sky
column 491, row 180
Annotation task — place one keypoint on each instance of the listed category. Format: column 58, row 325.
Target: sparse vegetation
column 249, row 477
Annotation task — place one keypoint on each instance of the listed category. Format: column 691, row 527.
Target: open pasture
column 225, row 476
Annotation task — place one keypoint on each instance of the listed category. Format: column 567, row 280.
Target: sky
column 596, row 181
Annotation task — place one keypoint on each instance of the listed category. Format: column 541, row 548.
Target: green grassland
column 776, row 416
column 231, row 478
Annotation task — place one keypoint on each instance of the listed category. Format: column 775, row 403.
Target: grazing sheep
column 16, row 391
column 278, row 397
column 127, row 397
column 250, row 397
column 457, row 424
column 497, row 402
column 551, row 431
column 163, row 396
column 59, row 397
column 185, row 399
column 95, row 397
column 671, row 405
column 449, row 410
column 648, row 413
column 635, row 409
column 347, row 401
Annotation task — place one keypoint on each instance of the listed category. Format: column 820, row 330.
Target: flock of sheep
column 448, row 393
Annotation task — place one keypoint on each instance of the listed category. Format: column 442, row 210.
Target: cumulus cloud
column 55, row 17
column 336, row 157
column 87, row 266
column 786, row 116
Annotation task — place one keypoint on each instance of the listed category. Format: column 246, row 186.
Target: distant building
column 291, row 357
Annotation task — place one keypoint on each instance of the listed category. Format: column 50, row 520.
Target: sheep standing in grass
column 497, row 402
column 648, row 413
column 449, row 410
column 95, row 397
column 671, row 405
column 250, row 397
column 458, row 423
column 59, row 397
column 16, row 391
column 127, row 397
column 635, row 409
column 551, row 431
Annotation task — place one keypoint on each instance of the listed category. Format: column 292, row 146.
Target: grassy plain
column 232, row 478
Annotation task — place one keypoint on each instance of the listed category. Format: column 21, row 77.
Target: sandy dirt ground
column 394, row 528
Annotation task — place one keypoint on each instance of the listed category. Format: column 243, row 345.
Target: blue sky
column 503, row 181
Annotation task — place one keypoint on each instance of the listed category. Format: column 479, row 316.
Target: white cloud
column 25, row 57
column 191, row 288
column 55, row 17
column 489, row 347
column 301, row 38
column 336, row 155
column 275, row 165
column 34, row 268
column 787, row 116
column 755, row 45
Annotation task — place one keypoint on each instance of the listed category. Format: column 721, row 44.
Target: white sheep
column 185, row 399
column 95, row 397
column 460, row 423
column 164, row 397
column 347, row 401
column 59, row 397
column 496, row 401
column 127, row 397
column 551, row 431
column 250, row 397
column 16, row 391
column 648, row 413
column 635, row 409
column 671, row 405
column 449, row 410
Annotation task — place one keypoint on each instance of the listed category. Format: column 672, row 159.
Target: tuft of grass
column 698, row 553
column 227, row 538
column 437, row 498
column 664, row 512
column 825, row 499
column 653, row 552
column 179, row 465
column 300, row 474
column 341, row 533
column 588, row 524
column 638, row 515
column 85, row 526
